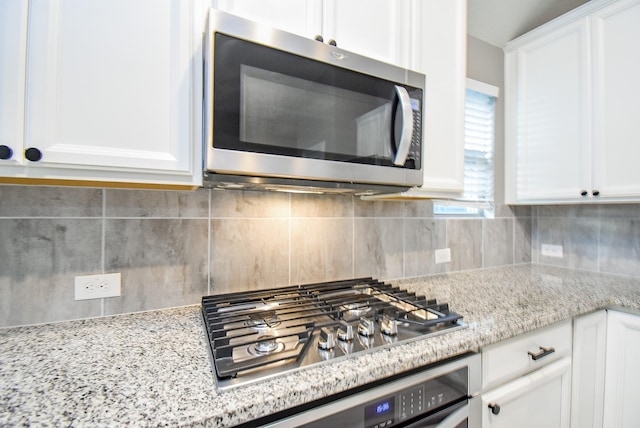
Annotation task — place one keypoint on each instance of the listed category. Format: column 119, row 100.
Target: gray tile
column 522, row 228
column 578, row 236
column 422, row 237
column 378, row 208
column 249, row 204
column 620, row 246
column 42, row 201
column 378, row 249
column 249, row 254
column 497, row 240
column 157, row 203
column 418, row 209
column 163, row 262
column 40, row 258
column 620, row 211
column 321, row 250
column 575, row 210
column 464, row 237
column 305, row 205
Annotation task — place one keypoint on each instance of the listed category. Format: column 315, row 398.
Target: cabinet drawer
column 507, row 360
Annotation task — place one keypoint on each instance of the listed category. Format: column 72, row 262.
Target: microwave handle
column 406, row 134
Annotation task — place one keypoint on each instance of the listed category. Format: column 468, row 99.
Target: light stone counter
column 153, row 368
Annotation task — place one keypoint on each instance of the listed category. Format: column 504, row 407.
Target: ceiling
column 498, row 21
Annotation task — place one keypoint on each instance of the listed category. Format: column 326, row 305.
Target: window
column 479, row 138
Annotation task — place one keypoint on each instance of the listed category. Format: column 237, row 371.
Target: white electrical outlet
column 443, row 255
column 549, row 250
column 97, row 286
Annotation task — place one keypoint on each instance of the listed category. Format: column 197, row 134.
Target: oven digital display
column 379, row 411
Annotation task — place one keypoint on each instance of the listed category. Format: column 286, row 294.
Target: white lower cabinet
column 606, row 373
column 527, row 380
column 539, row 399
column 587, row 390
column 622, row 371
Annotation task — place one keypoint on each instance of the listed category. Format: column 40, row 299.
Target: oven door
column 282, row 114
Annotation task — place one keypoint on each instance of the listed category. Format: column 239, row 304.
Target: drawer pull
column 495, row 408
column 543, row 353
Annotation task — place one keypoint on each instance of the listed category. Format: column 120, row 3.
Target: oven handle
column 406, row 135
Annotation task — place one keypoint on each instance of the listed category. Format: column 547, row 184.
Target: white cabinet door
column 439, row 42
column 112, row 86
column 13, row 48
column 622, row 377
column 303, row 17
column 377, row 29
column 616, row 95
column 587, row 389
column 547, row 114
column 540, row 399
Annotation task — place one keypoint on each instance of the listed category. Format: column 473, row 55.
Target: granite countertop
column 153, row 368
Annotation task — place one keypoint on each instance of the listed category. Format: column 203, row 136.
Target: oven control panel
column 415, row 401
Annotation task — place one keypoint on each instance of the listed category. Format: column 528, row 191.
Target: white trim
column 485, row 88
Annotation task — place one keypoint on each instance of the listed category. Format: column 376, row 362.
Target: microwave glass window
column 311, row 117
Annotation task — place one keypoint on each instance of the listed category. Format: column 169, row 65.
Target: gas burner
column 355, row 310
column 262, row 320
column 266, row 345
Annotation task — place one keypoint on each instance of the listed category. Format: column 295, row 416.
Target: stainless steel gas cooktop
column 255, row 335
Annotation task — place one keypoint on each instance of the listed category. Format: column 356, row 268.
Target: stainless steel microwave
column 283, row 112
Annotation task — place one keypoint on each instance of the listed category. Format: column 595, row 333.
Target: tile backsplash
column 173, row 247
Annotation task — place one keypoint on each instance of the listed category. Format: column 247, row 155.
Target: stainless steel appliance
column 259, row 334
column 283, row 112
column 439, row 396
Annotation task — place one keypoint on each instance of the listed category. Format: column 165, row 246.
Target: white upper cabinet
column 374, row 28
column 111, row 92
column 439, row 50
column 571, row 106
column 302, row 17
column 13, row 48
column 378, row 29
column 547, row 115
column 616, row 100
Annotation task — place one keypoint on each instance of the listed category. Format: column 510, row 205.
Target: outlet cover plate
column 443, row 255
column 549, row 250
column 97, row 286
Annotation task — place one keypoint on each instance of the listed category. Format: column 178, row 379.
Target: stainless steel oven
column 437, row 396
column 283, row 110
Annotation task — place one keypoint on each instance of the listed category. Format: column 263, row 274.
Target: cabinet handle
column 584, row 193
column 495, row 408
column 5, row 152
column 595, row 193
column 543, row 353
column 319, row 38
column 332, row 42
column 33, row 154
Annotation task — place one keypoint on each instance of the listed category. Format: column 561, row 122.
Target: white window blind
column 479, row 136
column 479, row 139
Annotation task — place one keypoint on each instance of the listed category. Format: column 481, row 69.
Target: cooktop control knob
column 345, row 332
column 327, row 339
column 367, row 327
column 389, row 326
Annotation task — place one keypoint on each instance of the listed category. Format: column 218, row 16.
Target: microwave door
column 403, row 126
